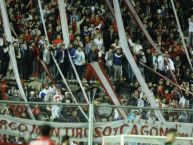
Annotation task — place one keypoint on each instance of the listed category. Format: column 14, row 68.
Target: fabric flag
column 181, row 34
column 137, row 19
column 63, row 78
column 125, row 47
column 65, row 33
column 96, row 70
column 9, row 38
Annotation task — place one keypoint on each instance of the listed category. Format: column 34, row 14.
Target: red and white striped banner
column 96, row 70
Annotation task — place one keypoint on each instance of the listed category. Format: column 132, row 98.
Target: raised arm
column 81, row 21
column 130, row 42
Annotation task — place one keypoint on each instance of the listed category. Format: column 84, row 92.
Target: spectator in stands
column 4, row 48
column 58, row 40
column 79, row 61
column 160, row 64
column 45, row 92
column 74, row 117
column 63, row 59
column 1, row 54
column 109, row 61
column 98, row 41
column 93, row 54
column 141, row 59
column 46, row 57
column 28, row 63
column 117, row 64
column 190, row 20
column 149, row 58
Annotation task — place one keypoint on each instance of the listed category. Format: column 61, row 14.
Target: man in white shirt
column 160, row 64
column 46, row 58
column 98, row 41
column 44, row 92
column 109, row 61
column 169, row 65
column 116, row 115
column 182, row 102
column 56, row 112
column 79, row 61
column 136, row 46
column 140, row 102
column 190, row 20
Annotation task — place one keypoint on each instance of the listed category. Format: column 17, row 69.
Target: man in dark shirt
column 4, row 58
column 171, row 136
column 63, row 59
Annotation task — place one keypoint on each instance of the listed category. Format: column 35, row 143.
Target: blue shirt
column 117, row 59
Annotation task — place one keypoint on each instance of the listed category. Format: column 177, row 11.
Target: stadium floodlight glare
column 143, row 140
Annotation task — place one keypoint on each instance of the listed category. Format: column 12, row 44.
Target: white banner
column 65, row 34
column 125, row 47
column 9, row 38
column 181, row 34
column 79, row 131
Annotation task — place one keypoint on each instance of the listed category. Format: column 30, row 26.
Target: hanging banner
column 9, row 38
column 165, row 78
column 110, row 7
column 125, row 47
column 65, row 34
column 181, row 34
column 141, row 25
column 47, row 71
column 106, row 84
column 79, row 131
column 139, row 22
column 53, row 57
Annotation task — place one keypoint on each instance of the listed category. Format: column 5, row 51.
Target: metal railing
column 96, row 112
column 98, row 105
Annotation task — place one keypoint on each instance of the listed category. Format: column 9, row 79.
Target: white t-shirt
column 182, row 102
column 170, row 65
column 116, row 114
column 1, row 41
column 45, row 92
column 140, row 102
column 80, row 58
column 98, row 43
column 136, row 47
column 160, row 63
column 56, row 111
column 46, row 56
column 190, row 25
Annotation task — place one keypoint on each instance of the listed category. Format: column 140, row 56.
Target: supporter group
column 94, row 37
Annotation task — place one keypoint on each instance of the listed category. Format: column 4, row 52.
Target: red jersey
column 57, row 41
column 42, row 141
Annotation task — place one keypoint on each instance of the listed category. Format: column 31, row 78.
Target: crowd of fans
column 94, row 37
